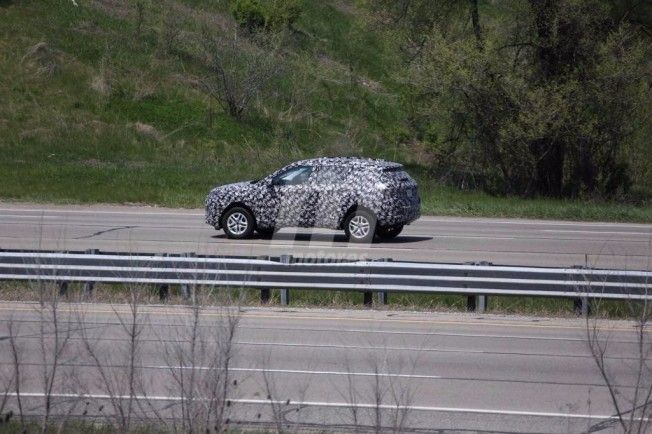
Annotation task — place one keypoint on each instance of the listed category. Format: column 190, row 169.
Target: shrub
column 274, row 15
column 249, row 14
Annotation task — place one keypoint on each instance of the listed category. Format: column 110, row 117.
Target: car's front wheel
column 238, row 223
column 389, row 232
column 360, row 226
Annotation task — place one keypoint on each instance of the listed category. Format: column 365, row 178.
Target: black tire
column 266, row 232
column 365, row 222
column 389, row 232
column 241, row 225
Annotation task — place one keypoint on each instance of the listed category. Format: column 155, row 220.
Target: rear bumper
column 402, row 212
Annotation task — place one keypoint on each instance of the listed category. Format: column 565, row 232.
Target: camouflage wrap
column 331, row 189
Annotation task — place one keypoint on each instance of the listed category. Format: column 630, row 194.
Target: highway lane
column 437, row 239
column 461, row 371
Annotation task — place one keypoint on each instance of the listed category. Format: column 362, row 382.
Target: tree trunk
column 475, row 20
column 549, row 152
column 550, row 156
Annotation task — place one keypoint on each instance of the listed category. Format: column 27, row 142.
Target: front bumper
column 212, row 216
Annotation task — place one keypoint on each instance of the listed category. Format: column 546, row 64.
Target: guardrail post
column 383, row 297
column 285, row 297
column 265, row 294
column 285, row 293
column 368, row 298
column 477, row 303
column 164, row 289
column 63, row 288
column 481, row 303
column 89, row 286
column 186, row 290
column 581, row 306
column 163, row 292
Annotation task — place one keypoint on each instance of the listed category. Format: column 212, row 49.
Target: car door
column 330, row 186
column 294, row 197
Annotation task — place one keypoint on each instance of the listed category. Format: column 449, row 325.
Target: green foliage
column 270, row 15
column 283, row 13
column 250, row 14
column 547, row 99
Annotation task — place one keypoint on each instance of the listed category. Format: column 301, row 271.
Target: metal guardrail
column 476, row 280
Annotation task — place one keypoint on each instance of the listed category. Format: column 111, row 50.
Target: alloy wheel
column 359, row 226
column 237, row 223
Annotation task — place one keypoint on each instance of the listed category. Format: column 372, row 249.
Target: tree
column 545, row 101
column 416, row 20
column 632, row 405
column 238, row 70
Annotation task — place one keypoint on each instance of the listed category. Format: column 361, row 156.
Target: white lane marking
column 252, row 245
column 273, row 371
column 413, row 349
column 489, row 220
column 416, row 333
column 301, row 371
column 179, row 213
column 424, row 334
column 338, row 373
column 577, row 231
column 393, row 407
column 39, row 217
column 385, row 348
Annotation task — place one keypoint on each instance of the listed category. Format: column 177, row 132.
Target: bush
column 274, row 15
column 249, row 14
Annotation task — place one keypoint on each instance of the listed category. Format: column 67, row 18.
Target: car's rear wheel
column 389, row 232
column 360, row 226
column 238, row 223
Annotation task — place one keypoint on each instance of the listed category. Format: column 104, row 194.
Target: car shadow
column 337, row 238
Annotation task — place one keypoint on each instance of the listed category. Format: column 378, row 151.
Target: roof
column 348, row 161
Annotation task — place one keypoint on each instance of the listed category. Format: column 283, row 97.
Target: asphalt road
column 443, row 371
column 436, row 239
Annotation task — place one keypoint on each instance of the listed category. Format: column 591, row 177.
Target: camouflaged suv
column 364, row 197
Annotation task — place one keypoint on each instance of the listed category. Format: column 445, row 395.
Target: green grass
column 536, row 306
column 444, row 200
column 74, row 425
column 65, row 139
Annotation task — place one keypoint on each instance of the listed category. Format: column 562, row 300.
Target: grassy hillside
column 99, row 106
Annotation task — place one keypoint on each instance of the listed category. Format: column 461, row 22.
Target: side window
column 293, row 176
column 328, row 175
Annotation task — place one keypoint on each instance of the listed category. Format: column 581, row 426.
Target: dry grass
column 533, row 306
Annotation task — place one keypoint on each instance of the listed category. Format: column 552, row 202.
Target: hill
column 118, row 101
